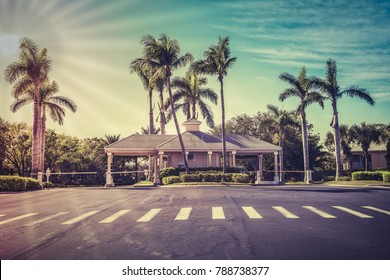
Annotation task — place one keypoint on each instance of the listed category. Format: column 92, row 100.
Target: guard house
column 202, row 150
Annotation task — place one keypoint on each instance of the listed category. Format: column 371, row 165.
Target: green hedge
column 386, row 176
column 15, row 183
column 240, row 178
column 367, row 175
column 171, row 180
column 191, row 177
column 212, row 177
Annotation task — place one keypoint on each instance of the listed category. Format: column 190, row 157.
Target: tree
column 32, row 68
column 300, row 87
column 365, row 134
column 217, row 61
column 345, row 142
column 332, row 92
column 386, row 139
column 48, row 101
column 281, row 119
column 4, row 128
column 163, row 55
column 145, row 73
column 191, row 93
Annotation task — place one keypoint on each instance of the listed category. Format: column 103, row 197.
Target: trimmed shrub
column 227, row 177
column 344, row 178
column 240, row 178
column 386, row 176
column 169, row 171
column 15, row 183
column 212, row 177
column 191, row 177
column 329, row 178
column 367, row 175
column 171, row 180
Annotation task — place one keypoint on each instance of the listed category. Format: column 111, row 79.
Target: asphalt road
column 223, row 222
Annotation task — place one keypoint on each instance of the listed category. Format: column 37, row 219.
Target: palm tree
column 281, row 119
column 145, row 73
column 300, row 87
column 160, row 87
column 48, row 101
column 345, row 142
column 365, row 134
column 331, row 90
column 32, row 68
column 163, row 55
column 217, row 61
column 190, row 90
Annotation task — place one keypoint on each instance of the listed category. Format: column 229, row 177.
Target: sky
column 92, row 43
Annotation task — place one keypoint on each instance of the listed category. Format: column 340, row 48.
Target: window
column 191, row 156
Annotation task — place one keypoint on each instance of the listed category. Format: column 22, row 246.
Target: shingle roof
column 373, row 148
column 142, row 142
column 250, row 142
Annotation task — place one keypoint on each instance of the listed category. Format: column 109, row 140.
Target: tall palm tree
column 217, row 61
column 345, row 142
column 31, row 68
column 163, row 55
column 145, row 73
column 300, row 87
column 191, row 92
column 48, row 101
column 281, row 119
column 160, row 87
column 332, row 92
column 365, row 134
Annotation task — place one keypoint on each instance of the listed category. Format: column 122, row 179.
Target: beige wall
column 378, row 160
column 200, row 159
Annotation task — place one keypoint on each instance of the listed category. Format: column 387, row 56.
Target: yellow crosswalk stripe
column 377, row 209
column 114, row 216
column 217, row 213
column 319, row 212
column 285, row 212
column 150, row 215
column 353, row 212
column 17, row 218
column 183, row 214
column 251, row 212
column 47, row 218
column 80, row 218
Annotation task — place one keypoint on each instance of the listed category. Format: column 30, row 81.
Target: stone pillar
column 234, row 158
column 276, row 173
column 209, row 159
column 260, row 171
column 109, row 179
column 156, row 179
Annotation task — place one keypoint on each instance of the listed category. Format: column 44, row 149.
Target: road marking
column 2, row 215
column 377, row 209
column 251, row 212
column 150, row 215
column 47, row 218
column 319, row 212
column 80, row 218
column 285, row 212
column 217, row 213
column 353, row 212
column 114, row 216
column 183, row 214
column 17, row 218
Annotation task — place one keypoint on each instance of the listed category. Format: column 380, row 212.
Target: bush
column 367, row 175
column 191, row 177
column 386, row 176
column 240, row 178
column 329, row 178
column 169, row 171
column 344, row 178
column 227, row 177
column 171, row 180
column 212, row 177
column 15, row 183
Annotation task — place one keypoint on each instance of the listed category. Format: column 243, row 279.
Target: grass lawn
column 358, row 183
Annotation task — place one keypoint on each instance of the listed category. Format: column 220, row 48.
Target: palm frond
column 18, row 103
column 361, row 93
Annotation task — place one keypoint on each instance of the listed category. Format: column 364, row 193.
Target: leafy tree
column 345, row 142
column 4, row 128
column 163, row 55
column 217, row 61
column 31, row 69
column 300, row 88
column 365, row 134
column 191, row 93
column 332, row 92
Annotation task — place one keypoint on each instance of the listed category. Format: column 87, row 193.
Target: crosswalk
column 183, row 214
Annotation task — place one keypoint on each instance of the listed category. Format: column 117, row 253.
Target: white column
column 234, row 158
column 156, row 179
column 209, row 159
column 260, row 171
column 276, row 175
column 109, row 179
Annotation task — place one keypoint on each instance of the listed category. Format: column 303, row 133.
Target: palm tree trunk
column 339, row 167
column 365, row 153
column 183, row 151
column 194, row 109
column 151, row 119
column 36, row 133
column 162, row 113
column 223, row 125
column 43, row 139
column 305, row 145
